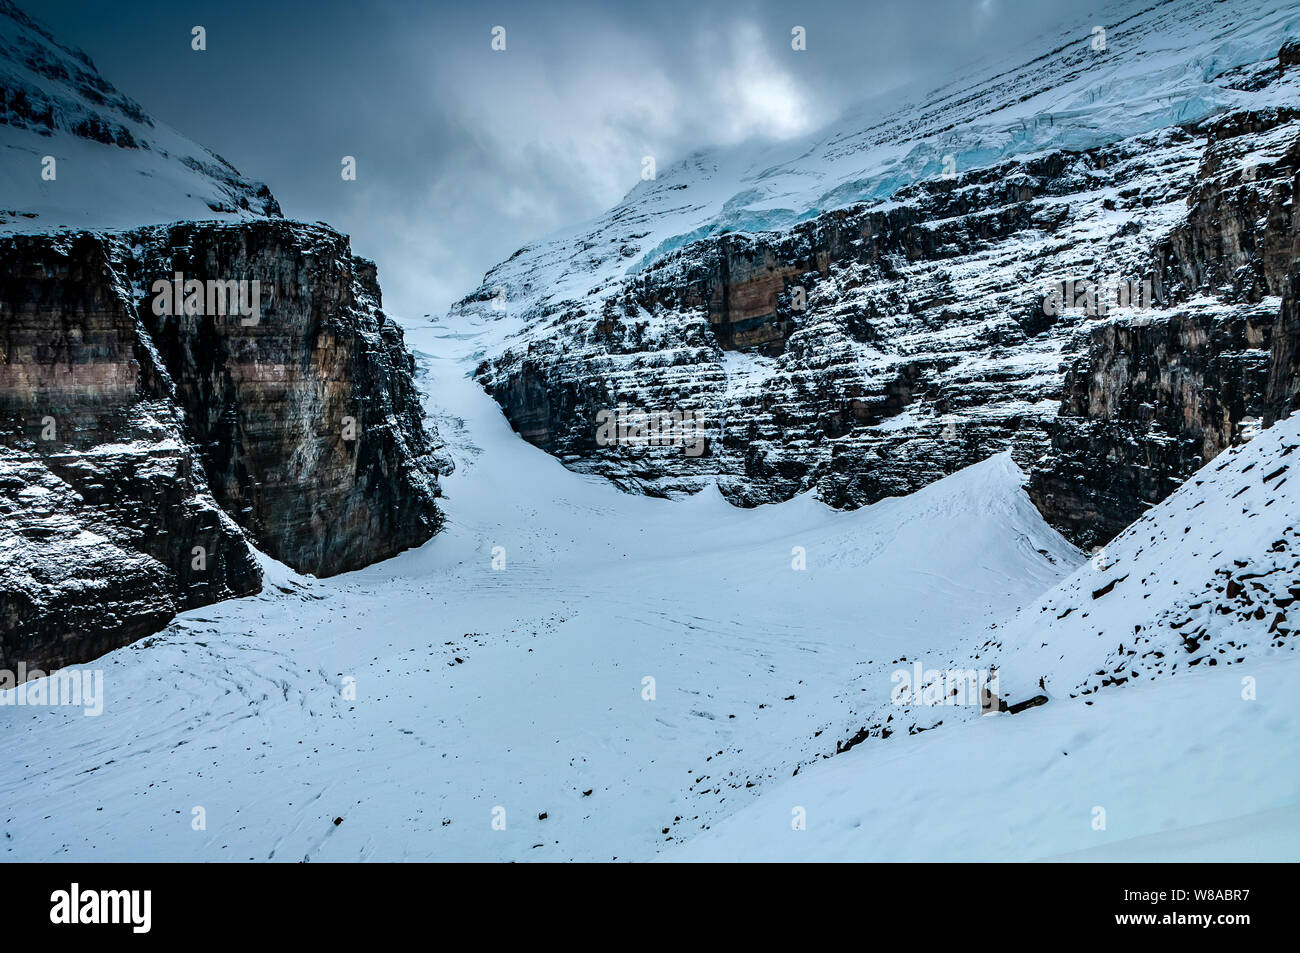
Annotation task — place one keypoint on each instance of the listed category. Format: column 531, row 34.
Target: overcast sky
column 465, row 154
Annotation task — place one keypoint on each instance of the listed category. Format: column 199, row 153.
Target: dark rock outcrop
column 1240, row 238
column 1283, row 397
column 134, row 446
column 103, row 501
column 1149, row 403
column 1288, row 55
column 307, row 421
column 1152, row 399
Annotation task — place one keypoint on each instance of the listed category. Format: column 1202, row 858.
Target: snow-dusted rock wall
column 306, row 420
column 866, row 340
column 107, row 524
column 134, row 445
column 924, row 345
column 1153, row 398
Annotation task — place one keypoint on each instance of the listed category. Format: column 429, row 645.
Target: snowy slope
column 520, row 687
column 1184, row 770
column 1164, row 64
column 1206, row 578
column 114, row 166
column 1169, row 665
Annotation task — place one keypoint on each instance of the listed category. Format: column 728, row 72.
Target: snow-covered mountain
column 113, row 166
column 614, row 676
column 898, row 655
column 505, row 664
column 1164, row 64
column 864, row 311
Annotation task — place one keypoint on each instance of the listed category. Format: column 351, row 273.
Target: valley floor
column 521, row 694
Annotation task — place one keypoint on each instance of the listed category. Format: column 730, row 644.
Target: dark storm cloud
column 463, row 154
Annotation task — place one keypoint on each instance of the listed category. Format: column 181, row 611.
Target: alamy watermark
column 638, row 427
column 933, row 686
column 212, row 297
column 82, row 688
column 1096, row 299
column 76, row 905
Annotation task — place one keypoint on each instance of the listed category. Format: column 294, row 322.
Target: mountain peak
column 78, row 152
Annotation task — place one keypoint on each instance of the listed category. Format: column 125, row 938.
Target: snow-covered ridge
column 1206, row 578
column 1164, row 64
column 113, row 166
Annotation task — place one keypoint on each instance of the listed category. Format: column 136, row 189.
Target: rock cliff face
column 1152, row 399
column 1149, row 403
column 146, row 440
column 863, row 354
column 924, row 343
column 104, row 500
column 307, row 420
column 863, row 347
column 134, row 445
column 1283, row 396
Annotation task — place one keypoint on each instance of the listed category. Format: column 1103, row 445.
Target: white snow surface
column 522, row 689
column 1184, row 769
